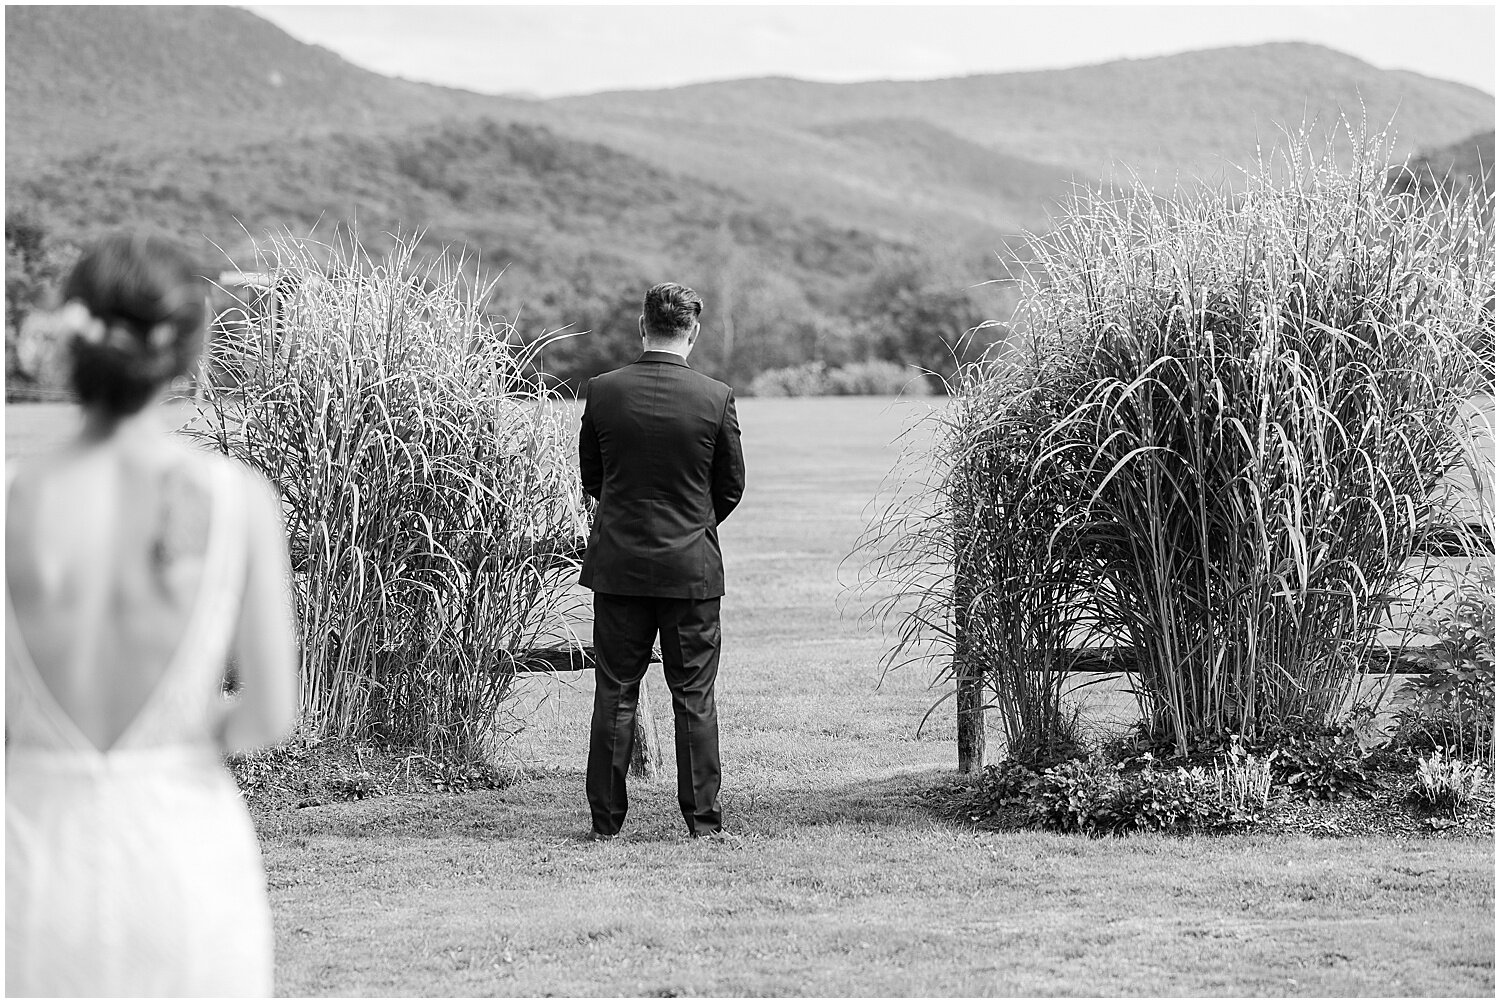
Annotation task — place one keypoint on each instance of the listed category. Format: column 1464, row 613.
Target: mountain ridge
column 77, row 79
column 1185, row 115
column 795, row 201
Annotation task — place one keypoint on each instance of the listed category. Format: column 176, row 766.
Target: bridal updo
column 136, row 310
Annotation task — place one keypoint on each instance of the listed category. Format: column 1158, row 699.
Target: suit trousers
column 624, row 629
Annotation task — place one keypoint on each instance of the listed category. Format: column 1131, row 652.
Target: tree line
column 757, row 318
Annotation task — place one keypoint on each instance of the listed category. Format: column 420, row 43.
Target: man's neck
column 677, row 348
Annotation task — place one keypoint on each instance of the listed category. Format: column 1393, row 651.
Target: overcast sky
column 573, row 49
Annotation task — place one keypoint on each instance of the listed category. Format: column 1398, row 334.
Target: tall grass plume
column 430, row 491
column 1221, row 440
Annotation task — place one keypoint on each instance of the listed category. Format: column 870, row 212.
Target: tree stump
column 645, row 750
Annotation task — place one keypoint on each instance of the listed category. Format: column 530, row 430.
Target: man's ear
column 697, row 326
column 641, row 324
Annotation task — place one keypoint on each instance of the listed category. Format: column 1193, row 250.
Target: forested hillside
column 820, row 221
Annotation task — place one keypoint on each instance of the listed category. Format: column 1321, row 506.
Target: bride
column 136, row 566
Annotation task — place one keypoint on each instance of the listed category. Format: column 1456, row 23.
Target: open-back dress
column 134, row 870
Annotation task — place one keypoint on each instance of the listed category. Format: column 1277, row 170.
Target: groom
column 659, row 448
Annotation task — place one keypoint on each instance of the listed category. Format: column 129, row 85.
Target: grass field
column 844, row 883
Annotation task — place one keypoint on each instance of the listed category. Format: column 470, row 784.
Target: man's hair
column 670, row 310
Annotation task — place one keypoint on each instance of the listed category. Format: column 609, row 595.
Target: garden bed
column 310, row 773
column 1390, row 810
column 306, row 774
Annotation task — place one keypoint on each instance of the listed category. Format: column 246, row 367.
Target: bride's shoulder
column 257, row 505
column 260, row 497
column 208, row 469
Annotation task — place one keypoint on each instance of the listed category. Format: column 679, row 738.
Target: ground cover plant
column 431, row 499
column 1221, row 442
column 856, row 875
column 1448, row 782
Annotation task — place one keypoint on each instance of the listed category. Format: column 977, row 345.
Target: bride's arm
column 265, row 653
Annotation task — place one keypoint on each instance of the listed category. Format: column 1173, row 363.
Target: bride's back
column 128, row 550
column 105, row 555
column 136, row 566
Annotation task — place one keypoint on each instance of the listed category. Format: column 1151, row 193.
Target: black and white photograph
column 817, row 501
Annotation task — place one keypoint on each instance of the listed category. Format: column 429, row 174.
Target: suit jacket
column 659, row 447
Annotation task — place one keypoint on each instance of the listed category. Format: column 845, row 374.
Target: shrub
column 1076, row 795
column 455, row 778
column 877, row 378
column 810, row 379
column 35, row 364
column 1327, row 767
column 1184, row 799
column 1453, row 700
column 352, row 786
column 1447, row 782
column 1094, row 797
column 1097, row 797
column 1004, row 788
column 430, row 489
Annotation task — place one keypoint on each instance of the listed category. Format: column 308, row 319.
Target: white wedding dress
column 135, row 871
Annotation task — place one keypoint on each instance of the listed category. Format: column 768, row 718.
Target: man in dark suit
column 659, row 447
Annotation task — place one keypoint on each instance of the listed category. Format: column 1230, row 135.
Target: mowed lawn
column 843, row 883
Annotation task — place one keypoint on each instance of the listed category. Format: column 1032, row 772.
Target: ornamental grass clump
column 1220, row 440
column 1017, row 595
column 965, row 564
column 431, row 496
column 1275, row 377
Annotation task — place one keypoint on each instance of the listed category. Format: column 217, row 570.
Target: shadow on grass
column 551, row 807
column 895, row 801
